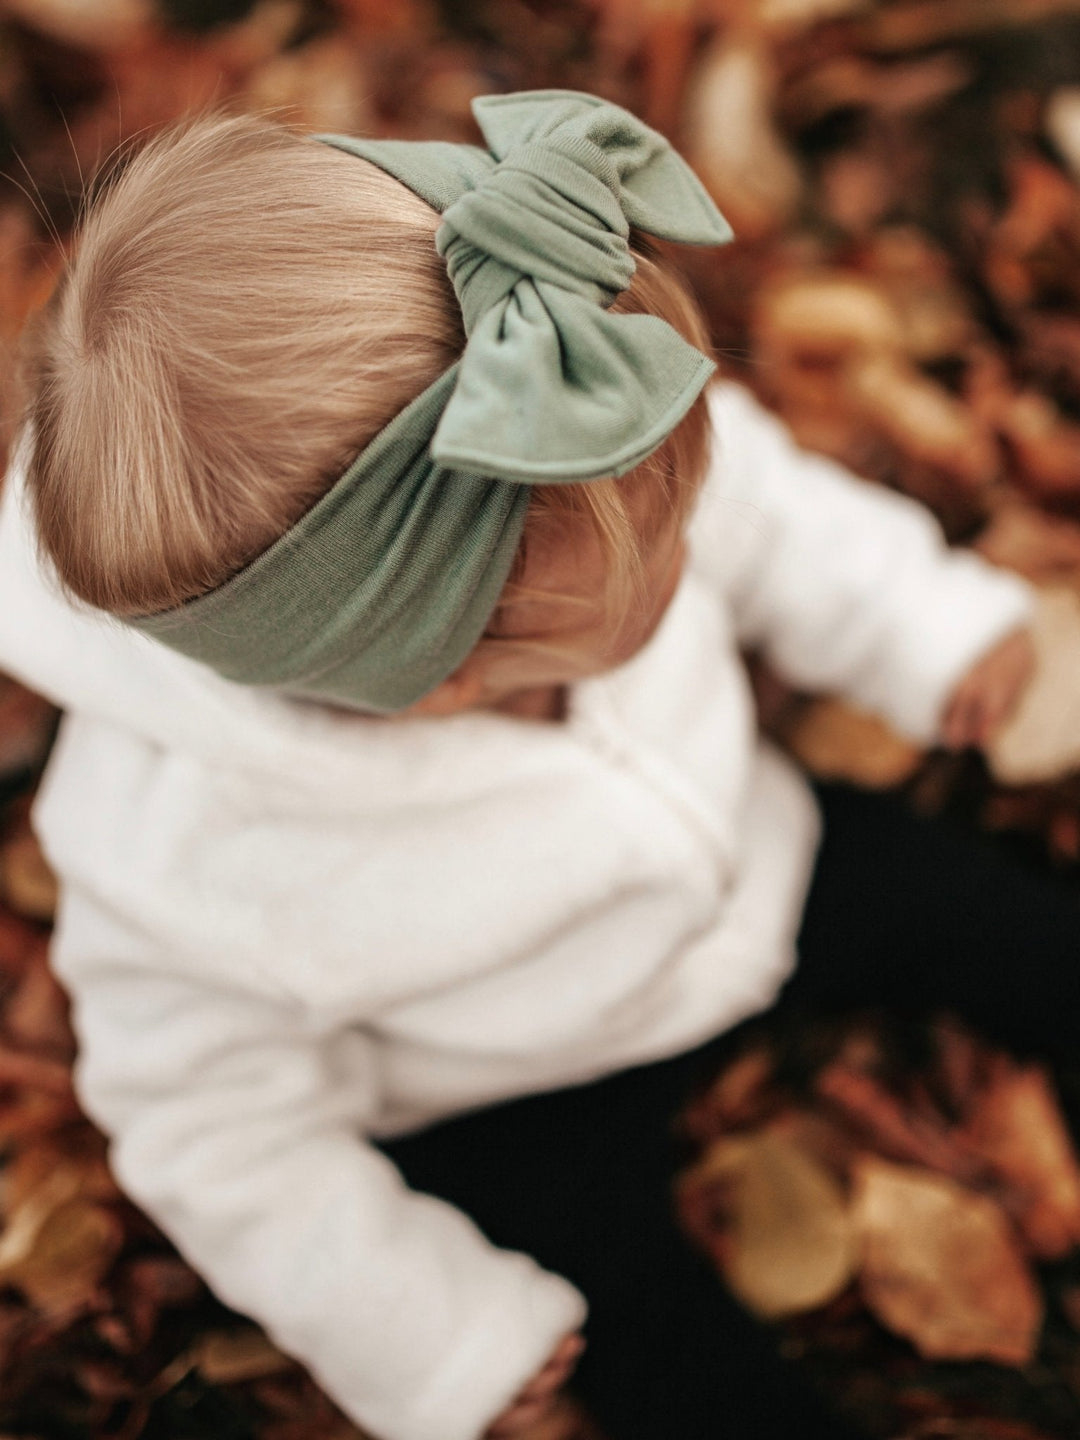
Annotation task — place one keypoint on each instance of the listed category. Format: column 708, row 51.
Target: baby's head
column 247, row 309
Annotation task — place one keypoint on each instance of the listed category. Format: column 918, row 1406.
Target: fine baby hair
column 247, row 308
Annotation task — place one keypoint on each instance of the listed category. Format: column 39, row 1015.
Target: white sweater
column 286, row 927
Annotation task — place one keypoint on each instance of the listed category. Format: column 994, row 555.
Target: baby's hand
column 531, row 1403
column 988, row 693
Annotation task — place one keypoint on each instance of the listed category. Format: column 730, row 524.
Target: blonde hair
column 245, row 310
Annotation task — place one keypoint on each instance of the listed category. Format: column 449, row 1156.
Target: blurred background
column 904, row 291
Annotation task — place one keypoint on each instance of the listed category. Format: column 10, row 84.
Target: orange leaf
column 1017, row 1126
column 942, row 1267
column 789, row 1244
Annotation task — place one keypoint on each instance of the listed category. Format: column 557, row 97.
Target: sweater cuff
column 496, row 1357
column 970, row 608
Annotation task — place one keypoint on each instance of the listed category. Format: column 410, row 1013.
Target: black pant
column 906, row 914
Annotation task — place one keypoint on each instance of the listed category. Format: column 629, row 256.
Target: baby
column 378, row 530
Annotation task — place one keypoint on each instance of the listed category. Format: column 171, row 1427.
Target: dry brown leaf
column 1044, row 548
column 927, row 423
column 1017, row 1125
column 1045, row 447
column 665, row 59
column 834, row 351
column 855, row 191
column 942, row 1267
column 960, row 1065
column 732, row 140
column 166, row 77
column 1042, row 739
column 374, row 17
column 100, row 25
column 27, row 883
column 225, row 1357
column 832, row 314
column 38, row 1072
column 792, row 15
column 35, row 1017
column 788, row 1244
column 913, row 24
column 264, row 32
column 145, row 1286
column 323, row 86
column 854, row 81
column 919, row 279
column 837, row 742
column 1062, row 120
column 26, row 727
column 31, row 1194
column 66, row 1257
column 892, row 1127
column 739, row 1096
column 1043, row 202
column 45, row 1173
column 33, row 1115
column 21, row 943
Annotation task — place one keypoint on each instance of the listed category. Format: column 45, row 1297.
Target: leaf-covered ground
column 902, row 175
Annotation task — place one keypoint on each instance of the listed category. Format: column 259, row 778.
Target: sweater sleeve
column 845, row 586
column 238, row 1133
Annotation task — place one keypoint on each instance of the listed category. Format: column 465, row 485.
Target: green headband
column 383, row 587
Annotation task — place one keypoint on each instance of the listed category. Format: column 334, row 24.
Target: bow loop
column 657, row 190
column 550, row 388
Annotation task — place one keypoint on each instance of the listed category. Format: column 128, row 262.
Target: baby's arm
column 236, row 1130
column 844, row 586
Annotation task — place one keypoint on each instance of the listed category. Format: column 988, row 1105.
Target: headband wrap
column 383, row 587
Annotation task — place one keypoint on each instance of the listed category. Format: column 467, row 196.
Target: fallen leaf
column 1045, row 446
column 739, row 1096
column 28, row 884
column 912, row 24
column 732, row 139
column 225, row 1357
column 961, row 1064
column 1044, row 548
column 828, row 313
column 784, row 15
column 67, row 1256
column 36, row 1015
column 27, row 723
column 892, row 1127
column 942, row 1267
column 1016, row 1124
column 924, row 420
column 90, row 24
column 322, row 86
column 788, row 1244
column 1063, row 125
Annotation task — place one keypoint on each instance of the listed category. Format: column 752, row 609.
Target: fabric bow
column 535, row 234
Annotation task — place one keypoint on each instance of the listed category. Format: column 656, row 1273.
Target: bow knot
column 550, row 212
